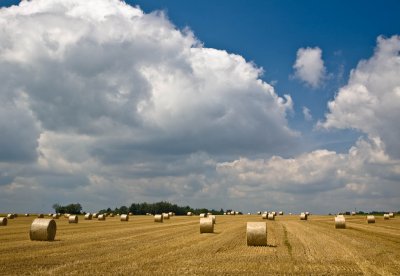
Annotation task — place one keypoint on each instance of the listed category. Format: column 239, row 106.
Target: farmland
column 175, row 247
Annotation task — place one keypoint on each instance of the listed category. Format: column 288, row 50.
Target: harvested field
column 176, row 247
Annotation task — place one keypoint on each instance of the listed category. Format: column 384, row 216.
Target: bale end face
column 206, row 225
column 340, row 222
column 43, row 230
column 256, row 234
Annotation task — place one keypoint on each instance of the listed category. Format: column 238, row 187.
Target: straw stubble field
column 176, row 247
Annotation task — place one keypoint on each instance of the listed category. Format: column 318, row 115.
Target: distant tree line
column 72, row 208
column 158, row 208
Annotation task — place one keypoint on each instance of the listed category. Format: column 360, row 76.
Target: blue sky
column 107, row 104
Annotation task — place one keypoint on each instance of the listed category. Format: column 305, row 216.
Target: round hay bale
column 340, row 222
column 27, row 215
column 274, row 213
column 281, row 213
column 307, row 214
column 213, row 219
column 303, row 216
column 236, row 213
column 165, row 216
column 209, row 214
column 206, row 225
column 353, row 213
column 158, row 218
column 189, row 213
column 370, row 219
column 88, row 216
column 386, row 216
column 73, row 219
column 65, row 215
column 56, row 216
column 3, row 221
column 111, row 215
column 95, row 215
column 203, row 215
column 259, row 213
column 264, row 216
column 130, row 213
column 271, row 216
column 171, row 214
column 101, row 217
column 10, row 216
column 224, row 213
column 50, row 214
column 43, row 230
column 290, row 214
column 40, row 216
column 391, row 215
column 256, row 233
column 124, row 217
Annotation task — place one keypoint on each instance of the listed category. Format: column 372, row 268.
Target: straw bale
column 256, row 234
column 43, row 230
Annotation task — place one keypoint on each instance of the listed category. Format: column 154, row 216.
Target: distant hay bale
column 236, row 213
column 101, row 217
column 65, row 216
column 271, row 216
column 165, row 216
column 281, row 213
column 73, row 219
column 213, row 219
column 170, row 214
column 274, row 213
column 290, row 214
column 158, row 218
column 40, row 216
column 256, row 233
column 124, row 217
column 27, row 215
column 340, row 222
column 206, row 225
column 3, row 221
column 307, row 213
column 264, row 216
column 95, row 215
column 10, row 216
column 50, row 215
column 56, row 216
column 130, row 213
column 189, row 214
column 88, row 216
column 111, row 215
column 370, row 219
column 386, row 216
column 43, row 230
column 249, row 213
column 15, row 215
column 203, row 215
column 209, row 214
column 391, row 215
column 353, row 213
column 303, row 216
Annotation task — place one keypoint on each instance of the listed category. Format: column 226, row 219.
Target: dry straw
column 271, row 216
column 203, row 215
column 386, row 216
column 370, row 219
column 158, row 218
column 101, row 217
column 10, row 216
column 264, row 216
column 88, row 216
column 391, row 215
column 73, row 219
column 124, row 217
column 3, row 221
column 303, row 216
column 43, row 230
column 340, row 222
column 189, row 213
column 256, row 233
column 206, row 225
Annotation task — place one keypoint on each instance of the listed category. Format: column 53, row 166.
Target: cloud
column 364, row 174
column 309, row 66
column 307, row 114
column 98, row 94
column 370, row 101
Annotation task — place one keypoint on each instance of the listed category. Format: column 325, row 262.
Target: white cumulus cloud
column 370, row 102
column 309, row 66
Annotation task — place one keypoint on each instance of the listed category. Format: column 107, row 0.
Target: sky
column 273, row 105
